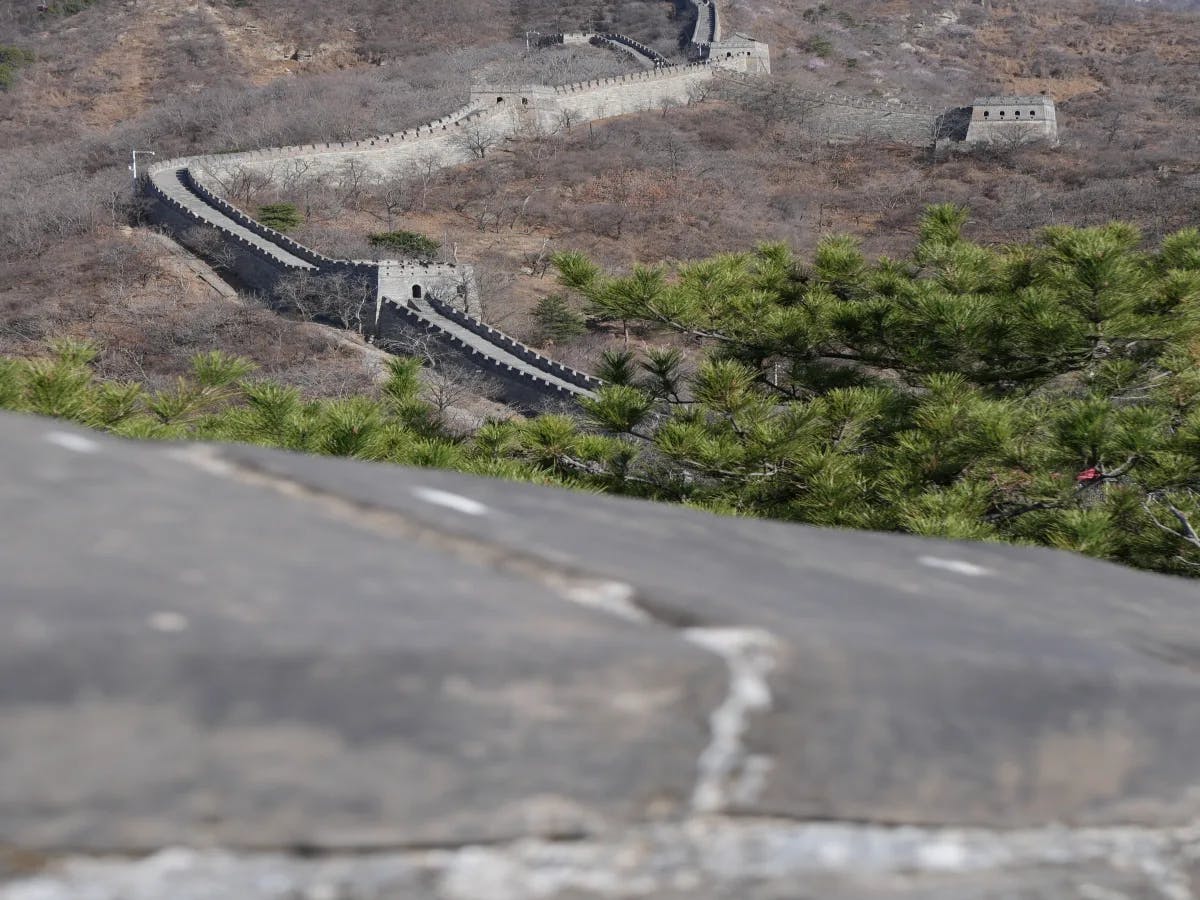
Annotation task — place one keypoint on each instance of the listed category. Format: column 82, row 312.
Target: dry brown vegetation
column 179, row 77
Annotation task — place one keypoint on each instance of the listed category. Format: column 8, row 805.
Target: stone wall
column 834, row 117
column 407, row 294
column 445, row 141
column 639, row 51
column 498, row 111
column 519, row 350
column 512, row 109
column 402, row 281
column 708, row 26
column 741, row 54
column 632, row 93
column 253, row 262
column 520, row 385
column 327, row 264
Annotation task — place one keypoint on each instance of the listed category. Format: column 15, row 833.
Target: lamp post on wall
column 133, row 167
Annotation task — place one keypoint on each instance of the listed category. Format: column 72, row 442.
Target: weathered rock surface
column 340, row 680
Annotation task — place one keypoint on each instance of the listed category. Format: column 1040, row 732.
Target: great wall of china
column 412, row 301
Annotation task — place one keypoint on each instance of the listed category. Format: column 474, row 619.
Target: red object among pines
column 1087, row 476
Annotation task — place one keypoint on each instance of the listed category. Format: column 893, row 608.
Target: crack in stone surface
column 727, row 773
column 703, row 856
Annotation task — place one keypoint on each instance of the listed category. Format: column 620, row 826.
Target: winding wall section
column 261, row 257
column 411, row 301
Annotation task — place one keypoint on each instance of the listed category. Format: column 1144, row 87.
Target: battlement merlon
column 550, row 109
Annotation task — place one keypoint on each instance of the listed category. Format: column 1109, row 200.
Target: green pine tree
column 556, row 321
column 1042, row 393
column 280, row 216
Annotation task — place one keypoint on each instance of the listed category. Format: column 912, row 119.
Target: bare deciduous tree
column 425, row 171
column 240, row 184
column 352, row 176
column 476, row 139
column 447, row 385
column 213, row 246
column 538, row 263
column 342, row 297
column 567, row 119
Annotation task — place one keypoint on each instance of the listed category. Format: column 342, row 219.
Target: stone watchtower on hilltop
column 740, row 52
column 1012, row 119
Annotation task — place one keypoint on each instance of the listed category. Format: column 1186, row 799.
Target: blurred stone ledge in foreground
column 338, row 680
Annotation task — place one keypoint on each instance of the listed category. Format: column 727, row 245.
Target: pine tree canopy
column 280, row 216
column 556, row 320
column 1042, row 393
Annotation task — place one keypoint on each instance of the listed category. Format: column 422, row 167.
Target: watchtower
column 741, row 52
column 1013, row 118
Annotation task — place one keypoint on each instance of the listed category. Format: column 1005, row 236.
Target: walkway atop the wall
column 643, row 54
column 167, row 179
column 487, row 349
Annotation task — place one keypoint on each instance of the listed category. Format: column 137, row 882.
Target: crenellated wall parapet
column 522, row 382
column 521, row 351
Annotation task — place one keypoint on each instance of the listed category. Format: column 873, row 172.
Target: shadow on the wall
column 953, row 124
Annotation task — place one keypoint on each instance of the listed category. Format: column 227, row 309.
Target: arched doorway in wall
column 416, row 292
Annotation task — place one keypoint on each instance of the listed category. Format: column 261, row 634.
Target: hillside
column 180, row 77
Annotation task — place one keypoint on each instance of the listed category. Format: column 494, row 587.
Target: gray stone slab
column 917, row 681
column 259, row 650
column 188, row 657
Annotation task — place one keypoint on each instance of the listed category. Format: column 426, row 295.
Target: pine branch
column 1186, row 531
column 1121, row 469
column 664, row 319
column 598, row 471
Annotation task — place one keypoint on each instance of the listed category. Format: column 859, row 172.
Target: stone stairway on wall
column 647, row 56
